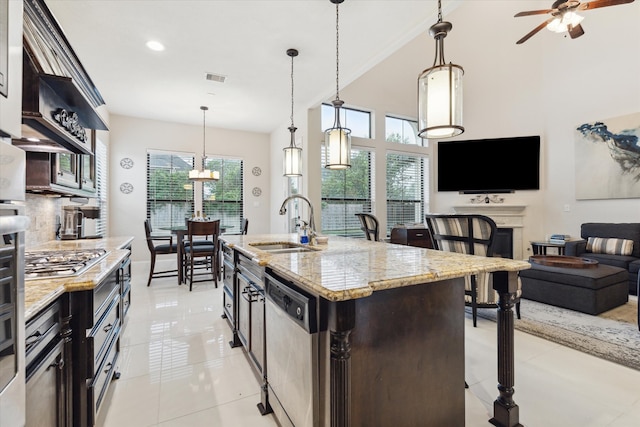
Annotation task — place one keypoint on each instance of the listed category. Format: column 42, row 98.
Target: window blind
column 345, row 193
column 223, row 199
column 102, row 184
column 169, row 191
column 407, row 179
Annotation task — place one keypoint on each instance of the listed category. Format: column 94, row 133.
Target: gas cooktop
column 62, row 263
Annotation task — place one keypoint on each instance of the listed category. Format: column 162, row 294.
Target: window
column 102, row 166
column 345, row 193
column 358, row 121
column 169, row 191
column 406, row 183
column 402, row 131
column 223, row 199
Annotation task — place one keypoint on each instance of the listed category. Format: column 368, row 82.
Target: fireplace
column 509, row 219
column 503, row 243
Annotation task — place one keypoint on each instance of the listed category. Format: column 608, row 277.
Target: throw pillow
column 599, row 245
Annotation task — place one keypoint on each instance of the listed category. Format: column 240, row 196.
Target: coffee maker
column 75, row 222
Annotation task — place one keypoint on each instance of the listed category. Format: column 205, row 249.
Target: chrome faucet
column 312, row 224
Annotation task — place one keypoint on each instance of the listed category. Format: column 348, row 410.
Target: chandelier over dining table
column 204, row 174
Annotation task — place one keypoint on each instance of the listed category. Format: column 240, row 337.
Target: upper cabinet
column 59, row 100
column 59, row 109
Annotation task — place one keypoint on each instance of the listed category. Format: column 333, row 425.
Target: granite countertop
column 344, row 268
column 40, row 293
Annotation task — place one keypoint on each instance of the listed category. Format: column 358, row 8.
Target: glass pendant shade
column 337, row 142
column 440, row 101
column 440, row 90
column 292, row 157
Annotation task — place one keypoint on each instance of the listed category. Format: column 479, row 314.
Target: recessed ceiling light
column 155, row 45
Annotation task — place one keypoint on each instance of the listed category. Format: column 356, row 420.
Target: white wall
column 545, row 87
column 132, row 137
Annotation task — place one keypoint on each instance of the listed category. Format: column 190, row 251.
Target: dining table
column 181, row 231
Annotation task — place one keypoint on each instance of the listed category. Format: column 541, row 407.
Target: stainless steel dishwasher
column 292, row 352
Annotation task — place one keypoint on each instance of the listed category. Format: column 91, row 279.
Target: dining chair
column 156, row 249
column 245, row 226
column 474, row 235
column 201, row 249
column 369, row 224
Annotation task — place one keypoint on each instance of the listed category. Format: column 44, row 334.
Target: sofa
column 608, row 243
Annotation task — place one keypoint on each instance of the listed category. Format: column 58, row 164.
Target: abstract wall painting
column 607, row 155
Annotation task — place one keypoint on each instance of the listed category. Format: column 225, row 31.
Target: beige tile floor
column 177, row 369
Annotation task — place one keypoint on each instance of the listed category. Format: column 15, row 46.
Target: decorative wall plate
column 126, row 188
column 256, row 171
column 256, row 191
column 126, row 163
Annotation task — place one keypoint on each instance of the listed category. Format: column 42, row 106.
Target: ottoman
column 588, row 290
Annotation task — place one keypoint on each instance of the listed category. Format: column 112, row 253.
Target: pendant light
column 204, row 174
column 440, row 90
column 292, row 154
column 337, row 139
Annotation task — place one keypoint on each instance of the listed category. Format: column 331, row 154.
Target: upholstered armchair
column 473, row 235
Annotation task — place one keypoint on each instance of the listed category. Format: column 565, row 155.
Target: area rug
column 613, row 335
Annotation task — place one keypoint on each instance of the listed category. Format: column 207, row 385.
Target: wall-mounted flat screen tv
column 496, row 165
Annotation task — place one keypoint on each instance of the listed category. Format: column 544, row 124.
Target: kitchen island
column 390, row 329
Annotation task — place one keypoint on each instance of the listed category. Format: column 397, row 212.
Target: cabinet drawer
column 104, row 331
column 41, row 331
column 126, row 303
column 103, row 295
column 251, row 270
column 227, row 275
column 100, row 384
column 228, row 303
column 227, row 252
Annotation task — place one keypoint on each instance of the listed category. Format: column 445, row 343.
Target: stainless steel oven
column 12, row 368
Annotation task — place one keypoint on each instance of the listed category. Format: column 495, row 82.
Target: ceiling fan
column 564, row 17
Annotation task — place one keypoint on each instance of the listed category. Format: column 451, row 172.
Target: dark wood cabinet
column 412, row 237
column 61, row 173
column 96, row 321
column 49, row 364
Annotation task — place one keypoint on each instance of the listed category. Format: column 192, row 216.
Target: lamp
column 564, row 22
column 440, row 90
column 337, row 139
column 292, row 154
column 204, row 174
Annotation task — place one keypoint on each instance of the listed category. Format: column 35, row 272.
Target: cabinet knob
column 108, row 327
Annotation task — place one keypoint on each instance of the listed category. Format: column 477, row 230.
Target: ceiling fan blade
column 534, row 12
column 534, row 31
column 602, row 3
column 575, row 32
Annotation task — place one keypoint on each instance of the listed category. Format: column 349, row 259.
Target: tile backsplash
column 42, row 210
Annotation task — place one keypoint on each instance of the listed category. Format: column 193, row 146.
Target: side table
column 540, row 247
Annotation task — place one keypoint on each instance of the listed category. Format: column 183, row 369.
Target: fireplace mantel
column 490, row 209
column 504, row 215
